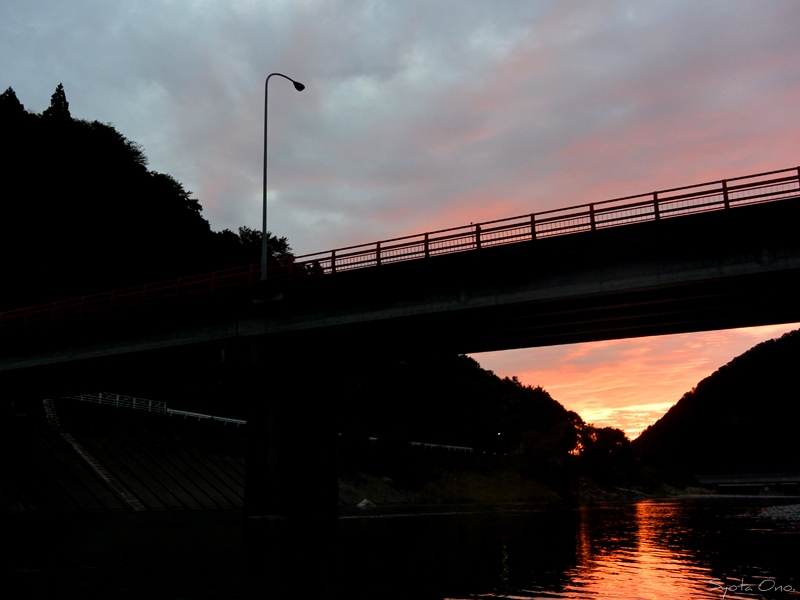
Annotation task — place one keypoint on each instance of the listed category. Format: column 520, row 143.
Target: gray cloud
column 419, row 115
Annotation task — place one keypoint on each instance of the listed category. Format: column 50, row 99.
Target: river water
column 651, row 549
column 700, row 548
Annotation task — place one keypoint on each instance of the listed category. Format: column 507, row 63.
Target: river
column 689, row 548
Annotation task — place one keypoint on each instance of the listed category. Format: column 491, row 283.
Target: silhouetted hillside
column 743, row 418
column 80, row 212
column 452, row 400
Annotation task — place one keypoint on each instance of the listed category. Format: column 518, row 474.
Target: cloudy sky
column 428, row 114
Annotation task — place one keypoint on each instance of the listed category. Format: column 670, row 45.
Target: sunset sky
column 426, row 114
column 628, row 384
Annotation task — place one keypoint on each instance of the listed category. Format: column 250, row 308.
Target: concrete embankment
column 68, row 457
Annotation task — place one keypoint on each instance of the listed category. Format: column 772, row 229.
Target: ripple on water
column 664, row 550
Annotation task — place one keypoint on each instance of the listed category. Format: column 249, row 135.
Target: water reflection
column 638, row 559
column 662, row 550
column 648, row 550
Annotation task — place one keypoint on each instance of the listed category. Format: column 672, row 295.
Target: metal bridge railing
column 663, row 204
column 155, row 406
column 124, row 401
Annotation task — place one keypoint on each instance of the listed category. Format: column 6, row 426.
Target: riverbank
column 788, row 512
column 464, row 489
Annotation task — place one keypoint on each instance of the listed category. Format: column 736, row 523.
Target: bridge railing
column 144, row 295
column 663, row 204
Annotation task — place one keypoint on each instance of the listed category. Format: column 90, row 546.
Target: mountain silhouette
column 742, row 418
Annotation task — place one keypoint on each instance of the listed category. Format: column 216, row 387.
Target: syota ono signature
column 765, row 585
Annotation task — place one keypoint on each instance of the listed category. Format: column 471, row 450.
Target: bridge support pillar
column 291, row 482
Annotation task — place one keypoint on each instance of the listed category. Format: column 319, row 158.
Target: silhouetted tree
column 251, row 239
column 10, row 106
column 59, row 107
column 605, row 454
column 82, row 213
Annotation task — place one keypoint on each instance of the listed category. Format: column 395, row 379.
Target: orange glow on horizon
column 631, row 383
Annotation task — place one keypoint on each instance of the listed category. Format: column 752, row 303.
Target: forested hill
column 452, row 400
column 81, row 212
column 742, row 418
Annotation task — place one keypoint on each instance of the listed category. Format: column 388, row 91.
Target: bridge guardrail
column 663, row 204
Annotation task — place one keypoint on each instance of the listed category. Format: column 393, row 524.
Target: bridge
column 715, row 255
column 621, row 268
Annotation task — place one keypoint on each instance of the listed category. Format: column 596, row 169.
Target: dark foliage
column 742, row 418
column 452, row 400
column 59, row 107
column 10, row 106
column 82, row 213
column 245, row 248
column 605, row 454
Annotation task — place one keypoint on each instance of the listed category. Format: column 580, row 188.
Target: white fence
column 155, row 406
column 124, row 401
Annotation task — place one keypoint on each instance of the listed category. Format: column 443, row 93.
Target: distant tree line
column 452, row 400
column 82, row 213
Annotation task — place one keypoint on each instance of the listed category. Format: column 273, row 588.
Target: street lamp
column 299, row 87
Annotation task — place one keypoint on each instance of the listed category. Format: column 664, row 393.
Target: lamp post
column 299, row 87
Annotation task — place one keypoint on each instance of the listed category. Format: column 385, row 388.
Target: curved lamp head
column 299, row 87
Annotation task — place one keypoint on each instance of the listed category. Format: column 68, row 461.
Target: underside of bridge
column 710, row 271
